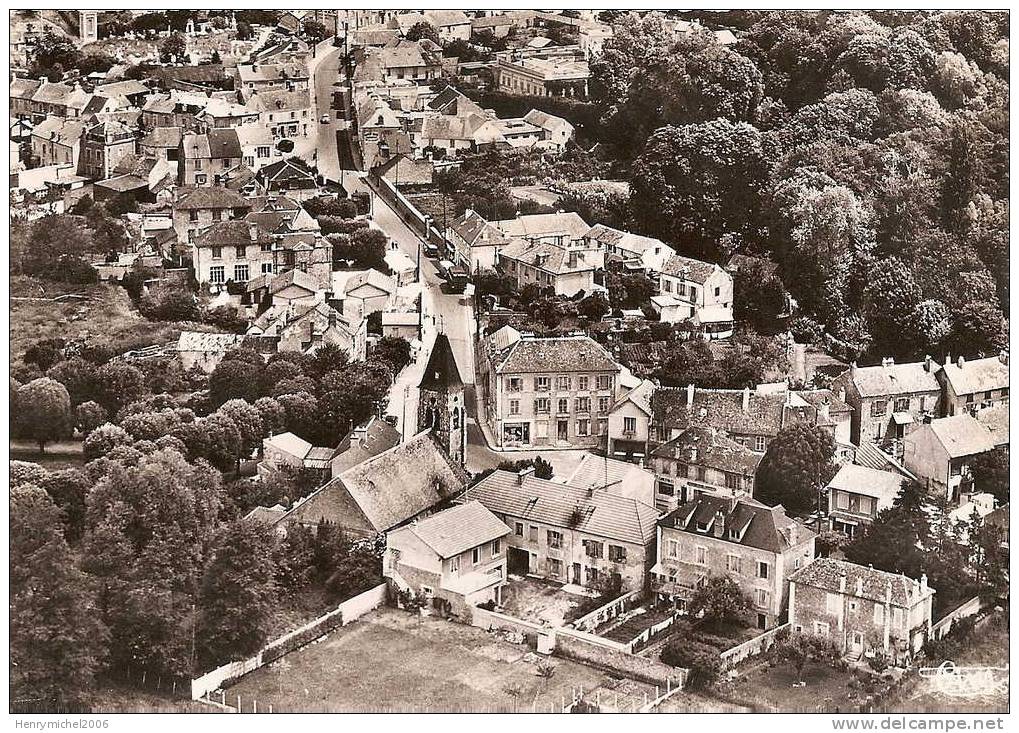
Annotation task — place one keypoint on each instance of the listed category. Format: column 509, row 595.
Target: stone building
column 441, row 401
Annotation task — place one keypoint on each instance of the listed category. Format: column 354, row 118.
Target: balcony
column 475, row 580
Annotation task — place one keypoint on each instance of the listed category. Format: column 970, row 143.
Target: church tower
column 441, row 400
column 88, row 26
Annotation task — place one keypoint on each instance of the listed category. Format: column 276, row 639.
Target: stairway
column 854, row 655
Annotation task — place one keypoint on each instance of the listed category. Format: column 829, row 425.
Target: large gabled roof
column 556, row 354
column 747, row 522
column 881, row 485
column 876, row 585
column 456, row 530
column 978, row 375
column 689, row 268
column 211, row 197
column 596, row 513
column 962, row 435
column 892, row 379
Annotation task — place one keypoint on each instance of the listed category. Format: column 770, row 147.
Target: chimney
column 852, row 368
column 927, row 363
column 842, row 395
column 842, row 583
column 859, row 586
column 693, row 455
column 573, row 260
column 888, row 361
column 253, row 231
column 523, row 473
column 923, row 583
column 1003, row 357
column 746, row 399
column 689, row 394
column 824, row 411
column 961, row 362
column 332, row 318
column 719, row 526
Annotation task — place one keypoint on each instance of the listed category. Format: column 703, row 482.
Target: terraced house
column 548, row 391
column 757, row 546
column 974, row 385
column 570, row 534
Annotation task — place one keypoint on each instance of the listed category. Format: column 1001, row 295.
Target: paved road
column 325, row 71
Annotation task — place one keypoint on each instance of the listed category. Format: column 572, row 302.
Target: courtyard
column 541, row 601
column 390, row 660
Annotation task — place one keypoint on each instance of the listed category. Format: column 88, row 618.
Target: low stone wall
column 757, row 645
column 610, row 610
column 494, row 621
column 612, row 657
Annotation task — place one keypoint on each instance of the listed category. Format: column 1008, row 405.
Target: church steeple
column 441, row 400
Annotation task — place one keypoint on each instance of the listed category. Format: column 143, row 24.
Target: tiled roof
column 635, row 243
column 640, row 396
column 534, row 225
column 293, row 277
column 280, row 100
column 961, row 435
column 547, row 257
column 196, row 341
column 882, row 485
column 289, row 443
column 270, row 72
column 371, row 277
column 756, row 525
column 23, row 88
column 616, row 477
column 224, row 144
column 546, row 121
column 979, row 375
column 163, row 137
column 441, row 371
column 826, row 573
column 877, row 381
column 59, row 130
column 766, row 413
column 389, row 488
column 266, row 514
column 52, row 93
column 556, row 354
column 232, row 233
column 366, row 440
column 601, row 514
column 458, row 529
column 711, row 448
column 124, row 88
column 689, row 268
column 211, row 197
column 123, row 183
column 472, row 227
column 288, row 168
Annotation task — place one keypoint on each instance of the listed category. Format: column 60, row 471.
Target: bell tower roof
column 441, row 372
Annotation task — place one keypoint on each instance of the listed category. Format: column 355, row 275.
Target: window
column 759, row 443
column 217, row 275
column 582, row 384
column 266, row 268
column 701, row 473
column 971, row 398
column 591, row 574
column 878, row 408
column 852, row 605
column 617, row 553
column 454, row 564
column 897, row 617
column 514, row 407
column 515, row 384
column 832, row 603
column 629, row 425
column 732, row 481
column 879, row 614
column 604, row 381
column 693, row 293
column 901, row 404
column 541, row 384
column 496, row 547
column 518, row 529
column 200, row 179
column 582, row 404
column 199, row 163
column 240, row 273
column 532, row 533
column 988, row 393
column 701, row 555
column 593, row 548
column 564, row 405
column 240, row 252
column 583, row 428
column 761, row 596
column 262, row 151
column 821, row 628
column 666, row 488
column 842, row 500
column 733, row 564
column 603, row 405
column 718, row 291
column 667, row 285
column 763, row 569
column 476, row 555
column 672, row 549
column 603, row 425
column 217, row 253
column 543, row 405
column 555, row 567
column 562, row 382
column 555, row 539
column 193, row 215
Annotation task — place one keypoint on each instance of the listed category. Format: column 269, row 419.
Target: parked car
column 325, row 120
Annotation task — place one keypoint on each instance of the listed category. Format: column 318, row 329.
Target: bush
column 701, row 660
column 806, row 330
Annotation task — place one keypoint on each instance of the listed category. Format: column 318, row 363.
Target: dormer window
column 702, row 526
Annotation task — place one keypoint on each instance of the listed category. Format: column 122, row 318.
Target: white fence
column 347, row 612
column 762, row 643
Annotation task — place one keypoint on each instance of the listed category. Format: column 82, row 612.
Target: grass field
column 390, row 661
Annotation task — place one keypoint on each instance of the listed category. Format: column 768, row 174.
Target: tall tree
column 798, row 462
column 57, row 641
column 238, row 594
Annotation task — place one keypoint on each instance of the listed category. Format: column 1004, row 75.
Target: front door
column 857, row 642
column 563, row 430
column 576, row 573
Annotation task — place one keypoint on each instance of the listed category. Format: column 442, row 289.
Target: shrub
column 701, row 660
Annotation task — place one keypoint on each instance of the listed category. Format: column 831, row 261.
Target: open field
column 391, row 661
